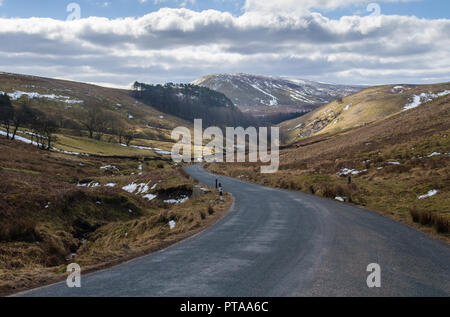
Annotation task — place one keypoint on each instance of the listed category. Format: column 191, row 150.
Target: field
column 399, row 166
column 96, row 211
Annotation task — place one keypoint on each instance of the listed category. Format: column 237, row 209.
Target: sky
column 117, row 42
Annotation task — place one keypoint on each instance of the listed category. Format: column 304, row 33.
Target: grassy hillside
column 69, row 102
column 361, row 108
column 399, row 166
column 57, row 209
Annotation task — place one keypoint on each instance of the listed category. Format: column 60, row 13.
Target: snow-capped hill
column 252, row 90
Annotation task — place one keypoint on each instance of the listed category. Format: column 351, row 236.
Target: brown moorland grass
column 47, row 220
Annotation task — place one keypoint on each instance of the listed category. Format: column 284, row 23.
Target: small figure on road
column 216, row 183
column 220, row 191
column 349, row 179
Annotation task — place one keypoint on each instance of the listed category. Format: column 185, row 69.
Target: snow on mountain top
column 254, row 90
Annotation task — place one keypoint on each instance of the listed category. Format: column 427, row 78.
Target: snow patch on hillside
column 347, row 171
column 272, row 102
column 18, row 94
column 418, row 100
column 429, row 194
column 157, row 150
column 177, row 201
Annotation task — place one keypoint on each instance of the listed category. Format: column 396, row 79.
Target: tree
column 92, row 120
column 129, row 136
column 118, row 128
column 49, row 127
column 6, row 112
column 36, row 127
column 98, row 121
column 22, row 116
column 43, row 128
column 105, row 124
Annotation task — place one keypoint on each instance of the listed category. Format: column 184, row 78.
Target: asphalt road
column 280, row 243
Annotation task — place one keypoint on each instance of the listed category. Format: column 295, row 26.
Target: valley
column 396, row 163
column 106, row 190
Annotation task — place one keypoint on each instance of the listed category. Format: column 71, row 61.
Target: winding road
column 280, row 243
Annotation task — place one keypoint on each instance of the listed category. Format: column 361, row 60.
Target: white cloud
column 296, row 6
column 181, row 45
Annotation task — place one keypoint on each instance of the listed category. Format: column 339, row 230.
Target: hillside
column 57, row 209
column 78, row 110
column 280, row 94
column 190, row 102
column 399, row 165
column 361, row 108
column 65, row 98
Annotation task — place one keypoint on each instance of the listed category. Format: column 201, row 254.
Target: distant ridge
column 247, row 90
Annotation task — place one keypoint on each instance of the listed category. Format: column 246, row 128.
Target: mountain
column 362, row 108
column 250, row 91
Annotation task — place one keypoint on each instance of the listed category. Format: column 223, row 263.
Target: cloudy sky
column 116, row 42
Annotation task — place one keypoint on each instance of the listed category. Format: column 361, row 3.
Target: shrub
column 415, row 215
column 425, row 218
column 18, row 230
column 438, row 221
column 54, row 253
column 441, row 224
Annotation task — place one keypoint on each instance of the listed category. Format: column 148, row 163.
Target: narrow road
column 280, row 243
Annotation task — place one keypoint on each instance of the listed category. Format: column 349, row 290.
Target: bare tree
column 43, row 128
column 118, row 128
column 92, row 120
column 6, row 112
column 129, row 136
column 49, row 127
column 22, row 116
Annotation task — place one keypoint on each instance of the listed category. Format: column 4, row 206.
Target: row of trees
column 98, row 122
column 12, row 118
column 189, row 102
